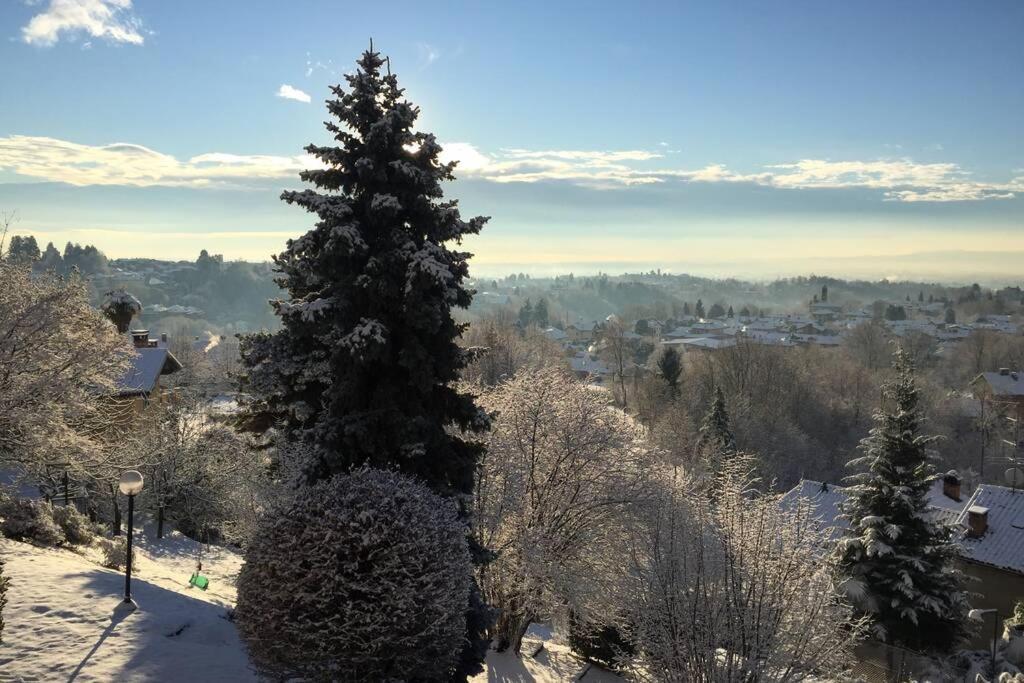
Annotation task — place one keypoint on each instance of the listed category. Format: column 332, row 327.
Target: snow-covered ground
column 64, row 622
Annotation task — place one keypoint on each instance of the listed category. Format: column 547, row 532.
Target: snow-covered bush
column 362, row 577
column 30, row 520
column 115, row 553
column 75, row 526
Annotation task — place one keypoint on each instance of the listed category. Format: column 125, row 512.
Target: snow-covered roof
column 555, row 334
column 1002, row 545
column 824, row 499
column 588, row 363
column 1010, row 384
column 147, row 366
column 709, row 343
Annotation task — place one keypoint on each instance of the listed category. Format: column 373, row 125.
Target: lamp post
column 130, row 485
column 979, row 615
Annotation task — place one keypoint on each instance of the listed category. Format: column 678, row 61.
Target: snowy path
column 62, row 623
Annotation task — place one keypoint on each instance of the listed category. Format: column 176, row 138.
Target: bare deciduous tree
column 561, row 471
column 732, row 589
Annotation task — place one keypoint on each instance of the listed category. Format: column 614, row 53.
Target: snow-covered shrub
column 75, row 526
column 30, row 520
column 364, row 577
column 115, row 553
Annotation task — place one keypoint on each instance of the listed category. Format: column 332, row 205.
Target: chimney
column 951, row 486
column 977, row 521
column 163, row 338
column 140, row 338
column 1004, row 371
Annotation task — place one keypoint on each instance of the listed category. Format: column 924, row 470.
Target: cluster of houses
column 826, row 325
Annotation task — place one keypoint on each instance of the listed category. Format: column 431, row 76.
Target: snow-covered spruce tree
column 364, row 577
column 716, row 441
column 897, row 564
column 364, row 366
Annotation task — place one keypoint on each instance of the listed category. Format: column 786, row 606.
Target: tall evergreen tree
column 540, row 313
column 526, row 314
column 824, row 293
column 670, row 366
column 699, row 309
column 23, row 250
column 897, row 562
column 716, row 441
column 364, row 366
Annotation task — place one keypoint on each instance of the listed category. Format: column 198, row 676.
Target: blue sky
column 868, row 138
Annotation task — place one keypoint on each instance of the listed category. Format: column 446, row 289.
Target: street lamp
column 130, row 485
column 979, row 615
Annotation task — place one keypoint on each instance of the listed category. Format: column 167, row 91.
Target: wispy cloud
column 898, row 180
column 55, row 160
column 110, row 20
column 292, row 93
column 428, row 54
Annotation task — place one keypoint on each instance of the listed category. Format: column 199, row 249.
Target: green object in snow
column 199, row 581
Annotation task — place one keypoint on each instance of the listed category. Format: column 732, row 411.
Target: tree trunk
column 117, row 512
column 510, row 628
column 160, row 521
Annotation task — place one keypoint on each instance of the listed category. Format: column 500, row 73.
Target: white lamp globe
column 130, row 483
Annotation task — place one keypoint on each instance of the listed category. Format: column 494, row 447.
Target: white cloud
column 898, row 180
column 290, row 93
column 111, row 20
column 55, row 160
column 902, row 180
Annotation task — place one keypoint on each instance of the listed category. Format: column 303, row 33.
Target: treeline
column 87, row 259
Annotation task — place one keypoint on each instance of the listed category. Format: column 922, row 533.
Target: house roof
column 709, row 343
column 588, row 363
column 1002, row 545
column 147, row 366
column 824, row 499
column 1011, row 384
